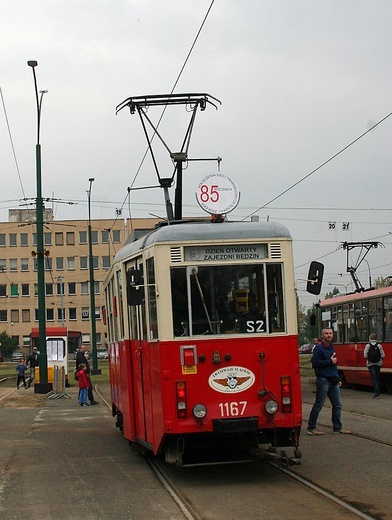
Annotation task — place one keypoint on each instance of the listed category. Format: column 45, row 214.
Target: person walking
column 83, row 383
column 327, row 384
column 21, row 370
column 81, row 358
column 374, row 354
column 33, row 361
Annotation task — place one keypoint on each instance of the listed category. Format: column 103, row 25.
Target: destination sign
column 225, row 253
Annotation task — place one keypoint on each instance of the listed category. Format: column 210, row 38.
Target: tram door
column 136, row 299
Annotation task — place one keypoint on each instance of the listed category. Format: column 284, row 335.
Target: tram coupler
column 280, row 458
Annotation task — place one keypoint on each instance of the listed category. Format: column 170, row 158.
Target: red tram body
column 203, row 346
column 353, row 317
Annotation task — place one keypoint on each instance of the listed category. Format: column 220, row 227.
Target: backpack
column 374, row 354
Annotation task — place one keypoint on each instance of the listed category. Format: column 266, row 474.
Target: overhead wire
column 320, row 166
column 12, row 143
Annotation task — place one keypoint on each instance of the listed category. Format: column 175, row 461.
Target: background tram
column 353, row 317
column 203, row 346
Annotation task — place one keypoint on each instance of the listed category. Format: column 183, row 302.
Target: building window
column 71, row 288
column 116, row 236
column 84, row 288
column 36, row 315
column 82, row 237
column 60, row 288
column 95, row 262
column 49, row 314
column 3, row 315
column 13, row 240
column 98, row 338
column 86, row 339
column 3, row 265
column 35, row 264
column 71, row 263
column 59, row 263
column 72, row 313
column 14, row 315
column 47, row 239
column 3, row 290
column 26, row 341
column 61, row 315
column 105, row 262
column 15, row 339
column 34, row 239
column 14, row 289
column 70, row 237
column 48, row 263
column 85, row 313
column 24, row 239
column 59, row 239
column 49, row 289
column 94, row 237
column 25, row 315
column 13, row 264
column 35, row 289
column 83, row 262
column 105, row 236
column 25, row 289
column 96, row 287
column 97, row 313
column 2, row 239
column 24, row 264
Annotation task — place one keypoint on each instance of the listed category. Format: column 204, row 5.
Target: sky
column 298, row 80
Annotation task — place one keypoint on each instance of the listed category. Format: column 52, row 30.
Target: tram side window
column 227, row 299
column 388, row 318
column 375, row 317
column 152, row 298
column 361, row 321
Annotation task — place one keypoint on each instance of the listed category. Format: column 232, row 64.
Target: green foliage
column 382, row 282
column 332, row 293
column 8, row 345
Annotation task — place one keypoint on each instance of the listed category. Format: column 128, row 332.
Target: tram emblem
column 231, row 380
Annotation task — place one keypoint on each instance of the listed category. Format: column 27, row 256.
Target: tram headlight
column 199, row 411
column 271, row 407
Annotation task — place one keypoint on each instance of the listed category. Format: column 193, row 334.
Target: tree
column 382, row 282
column 7, row 344
column 332, row 293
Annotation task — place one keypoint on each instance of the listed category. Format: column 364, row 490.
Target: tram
column 203, row 345
column 353, row 317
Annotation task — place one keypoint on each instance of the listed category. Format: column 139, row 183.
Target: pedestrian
column 81, row 358
column 316, row 341
column 374, row 354
column 21, row 370
column 83, row 383
column 33, row 361
column 327, row 384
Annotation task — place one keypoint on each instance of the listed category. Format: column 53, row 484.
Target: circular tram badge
column 231, row 380
column 217, row 194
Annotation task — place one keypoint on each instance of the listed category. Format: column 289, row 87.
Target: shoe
column 25, row 387
column 314, row 431
column 86, row 404
column 80, row 404
column 375, row 397
column 94, row 402
column 17, row 387
column 346, row 432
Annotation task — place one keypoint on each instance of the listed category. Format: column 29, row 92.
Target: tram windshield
column 230, row 299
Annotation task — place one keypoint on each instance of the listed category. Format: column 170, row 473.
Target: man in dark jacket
column 324, row 362
column 32, row 361
column 81, row 358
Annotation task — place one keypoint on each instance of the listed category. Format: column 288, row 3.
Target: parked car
column 17, row 355
column 306, row 348
column 102, row 353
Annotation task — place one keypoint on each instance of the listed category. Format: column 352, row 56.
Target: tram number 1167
column 232, row 409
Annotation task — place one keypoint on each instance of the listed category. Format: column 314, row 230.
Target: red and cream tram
column 203, row 345
column 353, row 317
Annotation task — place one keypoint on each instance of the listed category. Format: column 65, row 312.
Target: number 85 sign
column 217, row 194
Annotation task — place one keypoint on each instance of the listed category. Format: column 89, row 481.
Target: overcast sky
column 299, row 80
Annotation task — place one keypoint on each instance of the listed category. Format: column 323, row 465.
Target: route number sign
column 217, row 194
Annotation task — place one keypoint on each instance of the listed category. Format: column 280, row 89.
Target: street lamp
column 340, row 285
column 43, row 386
column 92, row 285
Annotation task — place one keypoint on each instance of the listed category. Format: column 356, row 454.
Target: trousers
column 326, row 389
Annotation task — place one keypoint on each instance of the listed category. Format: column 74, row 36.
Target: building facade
column 67, row 287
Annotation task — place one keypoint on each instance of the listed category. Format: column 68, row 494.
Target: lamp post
column 43, row 386
column 95, row 369
column 341, row 285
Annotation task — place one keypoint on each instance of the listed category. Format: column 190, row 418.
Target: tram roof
column 203, row 231
column 352, row 297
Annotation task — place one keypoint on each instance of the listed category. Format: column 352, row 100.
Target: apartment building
column 67, row 288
